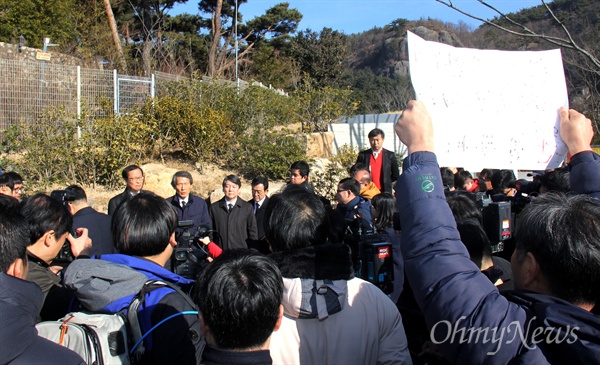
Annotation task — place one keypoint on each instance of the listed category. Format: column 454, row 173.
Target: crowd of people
column 279, row 282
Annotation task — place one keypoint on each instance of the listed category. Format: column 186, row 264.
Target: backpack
column 101, row 338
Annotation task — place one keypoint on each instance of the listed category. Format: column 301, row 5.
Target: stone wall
column 11, row 52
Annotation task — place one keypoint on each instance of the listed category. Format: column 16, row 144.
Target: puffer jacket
column 20, row 304
column 469, row 320
column 331, row 317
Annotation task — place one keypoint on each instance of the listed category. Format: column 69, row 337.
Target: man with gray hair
column 187, row 205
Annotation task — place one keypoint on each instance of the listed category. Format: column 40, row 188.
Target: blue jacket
column 460, row 302
column 585, row 173
column 177, row 341
column 196, row 210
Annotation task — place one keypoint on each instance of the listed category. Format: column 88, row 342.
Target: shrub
column 325, row 183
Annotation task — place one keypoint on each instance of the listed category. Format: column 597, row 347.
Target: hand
column 205, row 240
column 82, row 244
column 414, row 128
column 575, row 130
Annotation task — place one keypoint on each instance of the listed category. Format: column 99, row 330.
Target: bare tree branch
column 526, row 32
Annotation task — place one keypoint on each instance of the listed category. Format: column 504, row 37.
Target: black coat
column 20, row 303
column 389, row 167
column 260, row 216
column 98, row 225
column 115, row 201
column 236, row 228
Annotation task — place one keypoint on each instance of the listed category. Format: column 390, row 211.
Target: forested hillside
column 138, row 37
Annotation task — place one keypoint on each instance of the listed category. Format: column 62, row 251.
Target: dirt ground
column 158, row 180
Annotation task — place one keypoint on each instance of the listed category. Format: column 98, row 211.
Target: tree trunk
column 216, row 33
column 113, row 28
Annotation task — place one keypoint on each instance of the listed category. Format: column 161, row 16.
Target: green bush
column 45, row 151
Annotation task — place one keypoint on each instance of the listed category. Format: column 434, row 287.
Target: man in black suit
column 134, row 178
column 381, row 162
column 233, row 217
column 259, row 201
column 98, row 224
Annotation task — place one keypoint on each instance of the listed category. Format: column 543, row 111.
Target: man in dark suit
column 381, row 162
column 232, row 217
column 187, row 205
column 259, row 201
column 98, row 224
column 134, row 178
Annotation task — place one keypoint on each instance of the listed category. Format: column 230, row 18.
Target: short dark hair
column 376, row 132
column 486, row 174
column 502, row 179
column 463, row 207
column 14, row 233
column 260, row 180
column 44, row 214
column 232, row 179
column 239, row 295
column 128, row 169
column 143, row 225
column 563, row 234
column 447, row 178
column 302, row 166
column 185, row 174
column 557, row 180
column 359, row 166
column 5, row 179
column 461, row 178
column 295, row 218
column 78, row 192
column 17, row 179
column 351, row 184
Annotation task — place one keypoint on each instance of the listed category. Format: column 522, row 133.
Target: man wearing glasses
column 134, row 178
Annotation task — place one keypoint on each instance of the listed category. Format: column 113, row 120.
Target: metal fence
column 27, row 88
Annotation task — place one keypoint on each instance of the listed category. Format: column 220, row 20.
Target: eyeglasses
column 339, row 191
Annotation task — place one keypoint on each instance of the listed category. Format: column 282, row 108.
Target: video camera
column 189, row 257
column 497, row 219
column 372, row 257
column 65, row 256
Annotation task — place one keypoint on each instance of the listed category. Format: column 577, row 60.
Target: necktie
column 229, row 207
column 256, row 207
column 183, row 204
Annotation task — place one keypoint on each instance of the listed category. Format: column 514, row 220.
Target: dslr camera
column 65, row 256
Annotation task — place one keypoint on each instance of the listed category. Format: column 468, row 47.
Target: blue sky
column 355, row 16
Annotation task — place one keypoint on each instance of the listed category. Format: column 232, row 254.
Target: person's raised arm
column 575, row 130
column 448, row 287
column 414, row 128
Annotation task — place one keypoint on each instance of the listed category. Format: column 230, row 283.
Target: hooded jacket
column 20, row 304
column 109, row 285
column 331, row 317
column 470, row 322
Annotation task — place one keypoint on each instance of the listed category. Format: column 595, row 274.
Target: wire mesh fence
column 27, row 88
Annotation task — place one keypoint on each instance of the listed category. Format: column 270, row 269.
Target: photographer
column 50, row 223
